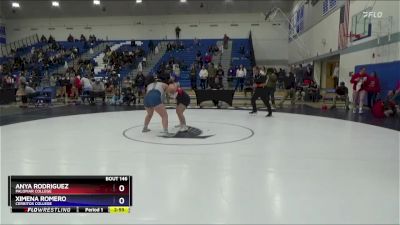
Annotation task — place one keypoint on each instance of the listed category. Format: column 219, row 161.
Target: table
column 217, row 95
column 7, row 95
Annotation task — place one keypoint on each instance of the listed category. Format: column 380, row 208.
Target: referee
column 260, row 91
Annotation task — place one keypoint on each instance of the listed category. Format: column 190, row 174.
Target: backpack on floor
column 378, row 109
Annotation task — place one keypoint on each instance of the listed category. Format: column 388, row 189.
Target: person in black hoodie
column 290, row 89
column 139, row 84
column 151, row 46
column 260, row 91
column 215, row 86
column 177, row 32
column 220, row 75
column 193, row 77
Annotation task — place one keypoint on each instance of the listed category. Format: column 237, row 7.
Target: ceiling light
column 138, row 1
column 96, row 2
column 15, row 5
column 55, row 4
column 183, row 1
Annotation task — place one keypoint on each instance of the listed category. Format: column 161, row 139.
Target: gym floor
column 290, row 168
column 13, row 114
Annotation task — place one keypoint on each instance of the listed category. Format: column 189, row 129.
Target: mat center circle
column 199, row 133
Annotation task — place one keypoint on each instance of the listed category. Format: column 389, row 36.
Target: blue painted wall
column 388, row 73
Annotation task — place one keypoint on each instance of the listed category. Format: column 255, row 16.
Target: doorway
column 329, row 81
column 328, row 66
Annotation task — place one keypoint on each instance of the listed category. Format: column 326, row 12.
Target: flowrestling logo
column 372, row 14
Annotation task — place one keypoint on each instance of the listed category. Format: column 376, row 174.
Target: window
column 297, row 21
column 290, row 30
column 327, row 6
column 300, row 20
column 332, row 4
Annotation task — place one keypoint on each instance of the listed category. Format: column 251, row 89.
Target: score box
column 45, row 192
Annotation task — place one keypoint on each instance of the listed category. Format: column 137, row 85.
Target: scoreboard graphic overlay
column 70, row 194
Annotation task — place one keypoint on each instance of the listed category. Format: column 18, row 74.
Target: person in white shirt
column 98, row 91
column 156, row 50
column 87, row 88
column 29, row 90
column 140, row 67
column 176, row 72
column 203, row 74
column 263, row 71
column 86, row 84
column 240, row 76
column 335, row 75
column 144, row 61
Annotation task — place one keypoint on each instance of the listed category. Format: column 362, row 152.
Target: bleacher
column 126, row 47
column 125, row 69
column 188, row 55
column 27, row 49
column 40, row 67
column 239, row 58
column 5, row 59
column 69, row 45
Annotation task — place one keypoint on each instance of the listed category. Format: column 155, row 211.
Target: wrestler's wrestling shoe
column 145, row 130
column 183, row 129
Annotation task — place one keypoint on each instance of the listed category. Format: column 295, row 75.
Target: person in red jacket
column 359, row 81
column 207, row 58
column 373, row 88
column 78, row 84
